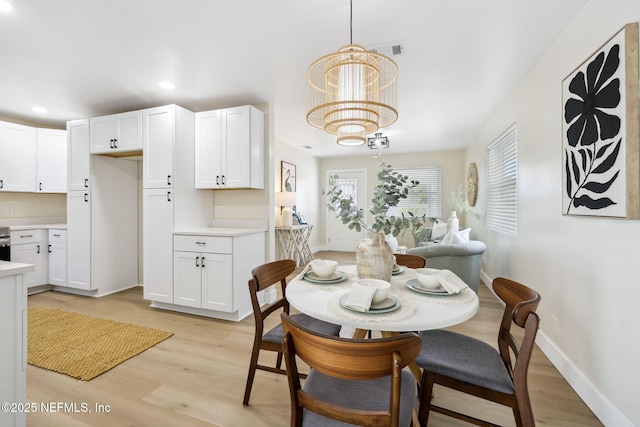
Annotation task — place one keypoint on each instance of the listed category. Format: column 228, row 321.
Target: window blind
column 423, row 199
column 502, row 170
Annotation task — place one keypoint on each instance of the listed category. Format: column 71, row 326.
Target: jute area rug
column 81, row 346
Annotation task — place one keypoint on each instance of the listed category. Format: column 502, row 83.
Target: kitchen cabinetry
column 29, row 247
column 79, row 158
column 158, row 134
column 17, row 157
column 51, row 161
column 116, row 133
column 57, row 250
column 168, row 203
column 79, row 240
column 13, row 329
column 157, row 231
column 203, row 272
column 230, row 148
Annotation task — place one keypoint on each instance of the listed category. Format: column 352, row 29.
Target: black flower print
column 596, row 91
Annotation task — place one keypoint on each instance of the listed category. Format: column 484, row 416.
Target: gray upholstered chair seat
column 365, row 395
column 276, row 334
column 464, row 358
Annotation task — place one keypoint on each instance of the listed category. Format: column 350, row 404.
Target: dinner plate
column 336, row 277
column 415, row 286
column 391, row 303
column 400, row 270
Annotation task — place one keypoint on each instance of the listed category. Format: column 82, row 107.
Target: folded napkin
column 451, row 282
column 360, row 297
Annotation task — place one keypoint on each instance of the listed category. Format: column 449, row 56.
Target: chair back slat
column 273, row 272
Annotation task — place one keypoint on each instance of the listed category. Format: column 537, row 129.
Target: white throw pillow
column 453, row 237
column 438, row 230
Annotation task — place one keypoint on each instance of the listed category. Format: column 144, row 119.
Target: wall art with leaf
column 601, row 138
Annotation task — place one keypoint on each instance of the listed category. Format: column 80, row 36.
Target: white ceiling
column 83, row 58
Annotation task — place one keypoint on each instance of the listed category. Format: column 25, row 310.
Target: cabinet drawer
column 57, row 236
column 25, row 236
column 213, row 244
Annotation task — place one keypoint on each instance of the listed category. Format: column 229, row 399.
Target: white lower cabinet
column 57, row 257
column 79, row 240
column 29, row 247
column 157, row 229
column 202, row 272
column 211, row 270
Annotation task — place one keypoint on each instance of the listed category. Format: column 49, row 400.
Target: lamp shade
column 351, row 93
column 286, row 198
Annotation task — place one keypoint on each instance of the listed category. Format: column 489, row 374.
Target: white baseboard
column 596, row 401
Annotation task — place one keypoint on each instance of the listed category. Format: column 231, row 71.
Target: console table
column 293, row 243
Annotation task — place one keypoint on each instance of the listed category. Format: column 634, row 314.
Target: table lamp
column 286, row 200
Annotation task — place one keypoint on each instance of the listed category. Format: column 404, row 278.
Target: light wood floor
column 197, row 377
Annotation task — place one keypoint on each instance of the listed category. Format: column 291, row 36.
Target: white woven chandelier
column 352, row 93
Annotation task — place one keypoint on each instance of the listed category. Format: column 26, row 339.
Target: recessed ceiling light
column 167, row 85
column 39, row 109
column 5, row 6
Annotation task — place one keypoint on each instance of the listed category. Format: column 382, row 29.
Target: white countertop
column 38, row 227
column 219, row 231
column 8, row 268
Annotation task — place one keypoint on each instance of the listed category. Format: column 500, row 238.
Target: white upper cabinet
column 116, row 133
column 51, row 161
column 158, row 134
column 17, row 157
column 230, row 148
column 79, row 159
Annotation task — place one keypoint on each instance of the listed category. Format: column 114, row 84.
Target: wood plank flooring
column 197, row 377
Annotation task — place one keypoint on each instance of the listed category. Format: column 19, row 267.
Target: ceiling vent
column 389, row 50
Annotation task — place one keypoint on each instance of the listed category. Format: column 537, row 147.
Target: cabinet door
column 236, row 147
column 102, row 134
column 79, row 240
column 158, row 134
column 187, row 279
column 208, row 147
column 57, row 250
column 128, row 131
column 79, row 159
column 51, row 161
column 17, row 157
column 217, row 283
column 28, row 253
column 157, row 240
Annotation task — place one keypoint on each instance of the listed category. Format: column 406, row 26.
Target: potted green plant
column 374, row 258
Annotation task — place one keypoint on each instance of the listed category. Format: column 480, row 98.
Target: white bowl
column 428, row 278
column 382, row 289
column 323, row 267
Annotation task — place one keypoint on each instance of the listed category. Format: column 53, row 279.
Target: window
column 423, row 199
column 502, row 170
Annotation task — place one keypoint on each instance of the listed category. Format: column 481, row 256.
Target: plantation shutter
column 502, row 170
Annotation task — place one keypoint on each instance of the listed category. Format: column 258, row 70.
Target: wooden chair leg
column 426, row 393
column 252, row 373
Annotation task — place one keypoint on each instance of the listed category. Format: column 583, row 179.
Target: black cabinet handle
column 1, row 183
column 202, row 262
column 168, row 179
column 111, row 143
column 86, row 183
column 86, row 197
column 168, row 196
column 40, row 186
column 49, row 249
column 38, row 251
column 197, row 259
column 223, row 180
column 217, row 179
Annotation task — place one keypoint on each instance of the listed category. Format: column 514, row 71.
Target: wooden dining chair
column 471, row 366
column 263, row 277
column 411, row 261
column 354, row 381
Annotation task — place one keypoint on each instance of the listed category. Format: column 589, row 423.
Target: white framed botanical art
column 601, row 131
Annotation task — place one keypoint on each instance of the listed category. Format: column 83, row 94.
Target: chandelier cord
column 351, row 23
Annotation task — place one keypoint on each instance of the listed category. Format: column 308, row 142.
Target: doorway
column 353, row 183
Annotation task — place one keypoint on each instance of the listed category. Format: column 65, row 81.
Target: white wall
column 584, row 268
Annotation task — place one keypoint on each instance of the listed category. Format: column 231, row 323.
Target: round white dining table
column 417, row 311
